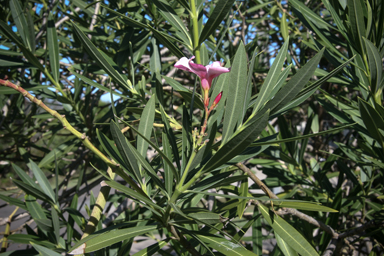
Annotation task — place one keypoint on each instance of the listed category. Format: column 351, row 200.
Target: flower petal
column 198, row 69
column 183, row 64
column 215, row 69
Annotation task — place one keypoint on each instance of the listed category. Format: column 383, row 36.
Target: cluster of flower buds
column 206, row 74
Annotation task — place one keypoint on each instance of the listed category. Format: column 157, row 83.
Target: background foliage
column 303, row 104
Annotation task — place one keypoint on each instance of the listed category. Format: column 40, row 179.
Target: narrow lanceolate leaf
column 243, row 192
column 218, row 14
column 94, row 84
column 43, row 251
column 309, row 14
column 306, row 206
column 372, row 120
column 167, row 160
column 147, row 167
column 107, row 65
column 21, row 23
column 134, row 195
column 248, row 89
column 53, row 48
column 99, row 241
column 145, row 126
column 272, row 77
column 285, row 247
column 168, row 174
column 356, row 19
column 224, row 246
column 29, row 190
column 125, row 152
column 257, row 236
column 308, row 91
column 288, row 233
column 237, row 87
column 152, row 249
column 43, row 181
column 294, row 86
column 284, row 26
column 13, row 201
column 238, row 143
column 27, row 53
column 375, row 65
column 170, row 15
column 24, row 177
column 56, row 153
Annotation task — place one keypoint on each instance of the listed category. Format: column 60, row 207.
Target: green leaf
column 21, row 24
column 55, row 224
column 42, row 180
column 284, row 247
column 284, row 27
column 147, row 167
column 94, row 84
column 29, row 190
column 187, row 94
column 224, row 246
column 248, row 90
column 237, row 86
column 295, row 84
column 101, row 240
column 135, row 195
column 13, row 201
column 308, row 13
column 356, row 20
column 27, row 239
column 242, row 203
column 288, row 233
column 372, row 120
column 145, row 126
column 167, row 160
column 58, row 152
column 272, row 78
column 209, row 218
column 27, row 53
column 239, row 142
column 36, row 212
column 308, row 91
column 167, row 41
column 168, row 174
column 222, row 8
column 125, row 151
column 170, row 15
column 375, row 65
column 109, row 146
column 24, row 177
column 108, row 65
column 152, row 249
column 306, row 206
column 43, row 251
column 172, row 140
column 257, row 236
column 53, row 47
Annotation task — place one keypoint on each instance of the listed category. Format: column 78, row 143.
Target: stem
column 57, row 85
column 104, row 191
column 195, row 26
column 7, row 231
column 291, row 211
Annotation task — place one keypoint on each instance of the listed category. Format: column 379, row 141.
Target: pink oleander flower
column 206, row 73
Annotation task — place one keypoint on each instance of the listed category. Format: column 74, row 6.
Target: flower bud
column 217, row 99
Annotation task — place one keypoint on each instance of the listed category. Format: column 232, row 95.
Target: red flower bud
column 217, row 99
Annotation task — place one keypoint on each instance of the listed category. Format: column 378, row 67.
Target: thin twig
column 291, row 211
column 45, row 19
